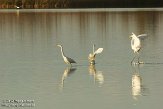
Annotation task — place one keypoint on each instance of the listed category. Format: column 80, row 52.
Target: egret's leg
column 133, row 60
column 138, row 57
column 70, row 65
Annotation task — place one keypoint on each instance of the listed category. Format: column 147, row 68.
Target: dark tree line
column 79, row 3
column 35, row 3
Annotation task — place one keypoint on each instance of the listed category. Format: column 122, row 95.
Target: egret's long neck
column 62, row 52
column 93, row 48
column 135, row 37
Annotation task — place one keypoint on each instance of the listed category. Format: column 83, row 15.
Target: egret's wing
column 71, row 60
column 99, row 50
column 132, row 42
column 142, row 36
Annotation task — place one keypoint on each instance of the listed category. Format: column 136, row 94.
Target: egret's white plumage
column 142, row 35
column 92, row 56
column 98, row 51
column 136, row 44
column 67, row 60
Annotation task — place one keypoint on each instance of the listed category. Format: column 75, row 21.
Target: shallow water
column 31, row 66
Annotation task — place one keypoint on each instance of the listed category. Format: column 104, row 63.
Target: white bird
column 67, row 60
column 136, row 44
column 92, row 56
column 18, row 7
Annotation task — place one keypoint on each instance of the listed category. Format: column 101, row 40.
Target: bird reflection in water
column 136, row 84
column 67, row 72
column 98, row 75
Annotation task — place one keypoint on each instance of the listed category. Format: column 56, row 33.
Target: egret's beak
column 58, row 45
column 130, row 36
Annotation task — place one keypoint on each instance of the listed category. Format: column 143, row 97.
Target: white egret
column 136, row 45
column 67, row 60
column 92, row 56
column 17, row 7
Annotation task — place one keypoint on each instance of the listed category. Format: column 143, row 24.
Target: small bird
column 67, row 60
column 18, row 7
column 136, row 44
column 92, row 55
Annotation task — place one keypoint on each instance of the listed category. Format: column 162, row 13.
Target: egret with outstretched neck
column 92, row 55
column 67, row 60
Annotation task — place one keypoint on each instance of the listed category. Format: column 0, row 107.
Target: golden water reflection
column 67, row 72
column 138, row 88
column 136, row 85
column 98, row 75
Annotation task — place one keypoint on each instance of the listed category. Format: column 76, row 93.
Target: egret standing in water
column 92, row 56
column 67, row 60
column 136, row 45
